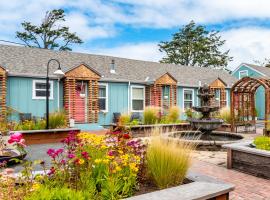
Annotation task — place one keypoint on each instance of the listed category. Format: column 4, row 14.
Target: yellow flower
column 103, row 146
column 106, row 161
column 133, row 167
column 81, row 161
column 117, row 168
column 120, row 151
column 98, row 161
column 35, row 186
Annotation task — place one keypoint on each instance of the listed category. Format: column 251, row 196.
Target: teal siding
column 118, row 102
column 19, row 97
column 260, row 93
column 180, row 100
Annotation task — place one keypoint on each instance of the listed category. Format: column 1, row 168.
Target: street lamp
column 59, row 73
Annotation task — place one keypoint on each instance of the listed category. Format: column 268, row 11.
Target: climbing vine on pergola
column 243, row 101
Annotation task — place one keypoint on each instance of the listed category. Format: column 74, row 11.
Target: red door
column 80, row 103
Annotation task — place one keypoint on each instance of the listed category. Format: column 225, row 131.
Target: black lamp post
column 59, row 73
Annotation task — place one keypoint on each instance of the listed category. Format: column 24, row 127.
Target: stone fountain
column 203, row 132
column 205, row 123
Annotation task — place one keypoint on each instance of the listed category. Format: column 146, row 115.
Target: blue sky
column 133, row 28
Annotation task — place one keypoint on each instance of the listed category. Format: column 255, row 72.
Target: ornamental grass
column 225, row 114
column 168, row 161
column 151, row 115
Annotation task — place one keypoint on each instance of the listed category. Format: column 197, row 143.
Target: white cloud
column 141, row 51
column 247, row 44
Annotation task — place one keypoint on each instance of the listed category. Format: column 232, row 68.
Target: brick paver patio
column 247, row 187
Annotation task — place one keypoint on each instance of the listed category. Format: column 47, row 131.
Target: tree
column 195, row 46
column 50, row 34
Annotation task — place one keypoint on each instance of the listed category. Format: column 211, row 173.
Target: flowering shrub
column 105, row 167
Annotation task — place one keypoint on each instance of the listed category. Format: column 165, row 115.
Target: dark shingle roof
column 262, row 69
column 25, row 61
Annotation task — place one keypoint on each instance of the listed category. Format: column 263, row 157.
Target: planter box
column 201, row 188
column 46, row 136
column 142, row 130
column 242, row 157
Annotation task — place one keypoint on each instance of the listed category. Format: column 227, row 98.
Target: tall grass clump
column 57, row 120
column 225, row 114
column 168, row 161
column 173, row 114
column 124, row 119
column 151, row 115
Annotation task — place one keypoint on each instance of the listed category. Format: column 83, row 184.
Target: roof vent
column 112, row 67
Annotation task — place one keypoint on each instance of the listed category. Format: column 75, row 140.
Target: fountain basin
column 206, row 124
column 212, row 142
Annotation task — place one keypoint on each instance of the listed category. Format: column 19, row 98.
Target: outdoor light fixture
column 59, row 73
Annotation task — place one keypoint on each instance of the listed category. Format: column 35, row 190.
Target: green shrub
column 225, row 114
column 57, row 120
column 262, row 142
column 151, row 115
column 124, row 119
column 168, row 161
column 173, row 114
column 59, row 193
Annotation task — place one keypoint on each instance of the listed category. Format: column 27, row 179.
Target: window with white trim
column 103, row 97
column 137, row 98
column 243, row 73
column 188, row 98
column 39, row 89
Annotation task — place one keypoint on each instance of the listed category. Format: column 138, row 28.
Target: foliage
column 262, row 142
column 124, row 119
column 57, row 120
column 92, row 167
column 193, row 45
column 151, row 115
column 225, row 114
column 174, row 114
column 190, row 113
column 50, row 34
column 168, row 161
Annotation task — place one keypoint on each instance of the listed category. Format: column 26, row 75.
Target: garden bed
column 243, row 157
column 46, row 136
column 205, row 187
column 142, row 130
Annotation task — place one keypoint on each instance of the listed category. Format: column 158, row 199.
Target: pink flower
column 115, row 132
column 71, row 155
column 111, row 153
column 22, row 143
column 51, row 152
column 63, row 162
column 59, row 151
column 52, row 171
column 15, row 137
column 85, row 155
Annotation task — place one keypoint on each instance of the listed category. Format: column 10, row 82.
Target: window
column 137, row 98
column 39, row 89
column 103, row 97
column 188, row 95
column 243, row 73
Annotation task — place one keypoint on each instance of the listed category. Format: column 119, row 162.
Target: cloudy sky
column 133, row 28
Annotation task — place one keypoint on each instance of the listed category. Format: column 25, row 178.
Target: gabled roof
column 262, row 70
column 25, row 61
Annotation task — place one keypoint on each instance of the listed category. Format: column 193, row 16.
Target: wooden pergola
column 91, row 77
column 154, row 92
column 243, row 101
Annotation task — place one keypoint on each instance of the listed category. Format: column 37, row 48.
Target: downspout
column 129, row 97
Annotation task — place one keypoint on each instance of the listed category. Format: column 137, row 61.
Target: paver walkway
column 247, row 187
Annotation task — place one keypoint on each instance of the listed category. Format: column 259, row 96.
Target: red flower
column 115, row 132
column 126, row 136
column 52, row 171
column 85, row 155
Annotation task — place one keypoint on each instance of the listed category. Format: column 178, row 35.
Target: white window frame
column 242, row 71
column 106, row 98
column 34, row 89
column 183, row 99
column 131, row 97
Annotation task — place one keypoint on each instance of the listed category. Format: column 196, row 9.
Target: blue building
column 254, row 71
column 95, row 86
